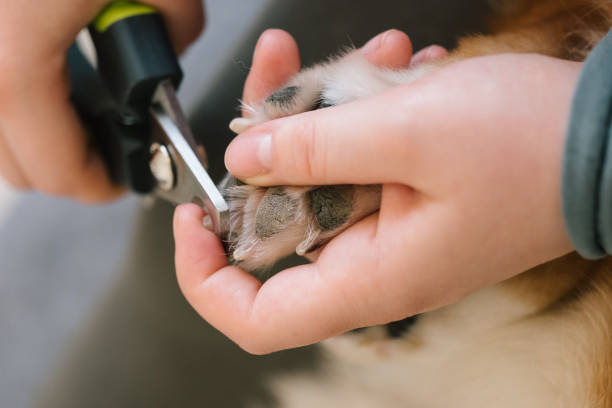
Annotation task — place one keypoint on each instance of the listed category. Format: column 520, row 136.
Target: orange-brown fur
column 561, row 28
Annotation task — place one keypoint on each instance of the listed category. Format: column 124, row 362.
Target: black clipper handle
column 134, row 55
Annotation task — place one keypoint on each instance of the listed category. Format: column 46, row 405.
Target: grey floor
column 90, row 314
column 54, row 270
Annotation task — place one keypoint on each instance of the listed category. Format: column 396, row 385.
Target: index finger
column 276, row 58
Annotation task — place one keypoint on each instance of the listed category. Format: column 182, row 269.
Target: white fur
column 341, row 80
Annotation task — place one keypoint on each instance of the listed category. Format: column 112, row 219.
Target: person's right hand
column 42, row 143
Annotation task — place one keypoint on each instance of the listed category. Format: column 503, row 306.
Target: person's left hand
column 202, row 268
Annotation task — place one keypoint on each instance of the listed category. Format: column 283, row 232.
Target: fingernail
column 249, row 155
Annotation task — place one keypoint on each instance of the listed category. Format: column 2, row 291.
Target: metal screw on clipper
column 162, row 166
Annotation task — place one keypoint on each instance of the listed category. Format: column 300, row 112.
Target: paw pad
column 332, row 205
column 283, row 97
column 275, row 211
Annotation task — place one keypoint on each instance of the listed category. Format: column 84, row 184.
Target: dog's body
column 541, row 339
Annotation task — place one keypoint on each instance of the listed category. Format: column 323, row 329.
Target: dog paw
column 340, row 80
column 268, row 224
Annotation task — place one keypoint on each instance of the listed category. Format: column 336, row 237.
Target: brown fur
column 560, row 28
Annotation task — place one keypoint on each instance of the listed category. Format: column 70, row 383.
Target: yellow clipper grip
column 119, row 10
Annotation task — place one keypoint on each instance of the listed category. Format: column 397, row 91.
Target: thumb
column 329, row 146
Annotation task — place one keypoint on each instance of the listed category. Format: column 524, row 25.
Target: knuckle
column 256, row 336
column 251, row 343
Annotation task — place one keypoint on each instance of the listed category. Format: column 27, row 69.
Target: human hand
column 469, row 159
column 42, row 143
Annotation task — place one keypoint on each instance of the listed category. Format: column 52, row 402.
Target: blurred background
column 90, row 313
